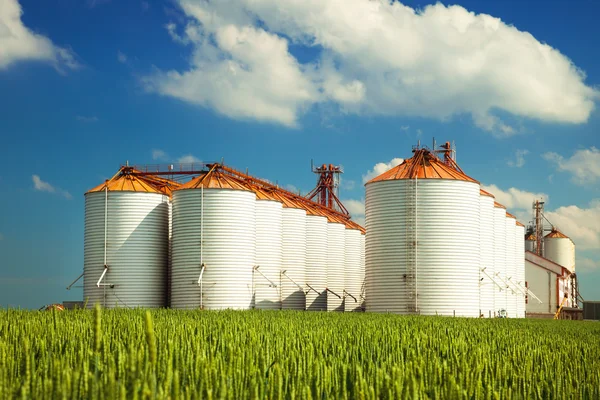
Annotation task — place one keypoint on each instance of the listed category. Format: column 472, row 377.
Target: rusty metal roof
column 555, row 233
column 530, row 236
column 424, row 165
column 127, row 180
column 509, row 215
column 214, row 179
column 498, row 205
column 484, row 193
column 520, row 224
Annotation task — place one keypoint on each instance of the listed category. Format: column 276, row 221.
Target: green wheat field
column 167, row 354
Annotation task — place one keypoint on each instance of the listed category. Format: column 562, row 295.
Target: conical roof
column 128, row 180
column 520, row 224
column 424, row 165
column 498, row 205
column 556, row 234
column 214, row 179
column 530, row 236
column 484, row 193
column 509, row 215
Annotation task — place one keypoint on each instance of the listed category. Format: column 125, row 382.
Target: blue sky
column 268, row 86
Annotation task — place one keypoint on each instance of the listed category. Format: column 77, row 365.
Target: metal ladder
column 411, row 245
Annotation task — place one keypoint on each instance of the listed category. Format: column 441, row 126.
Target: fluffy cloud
column 121, row 57
column 159, row 155
column 374, row 57
column 188, row 159
column 519, row 160
column 41, row 186
column 356, row 208
column 18, row 43
column 514, row 198
column 584, row 165
column 580, row 224
column 380, row 168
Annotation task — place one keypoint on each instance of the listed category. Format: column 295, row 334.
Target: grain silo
column 520, row 266
column 352, row 268
column 126, row 242
column 511, row 269
column 500, row 257
column 487, row 285
column 530, row 242
column 559, row 248
column 269, row 254
column 336, row 239
column 214, row 242
column 362, row 271
column 422, row 240
column 293, row 269
column 316, row 262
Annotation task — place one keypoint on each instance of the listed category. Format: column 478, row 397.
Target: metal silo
column 126, row 242
column 500, row 257
column 422, row 240
column 214, row 242
column 267, row 283
column 520, row 268
column 293, row 270
column 335, row 265
column 559, row 248
column 487, row 285
column 362, row 272
column 352, row 269
column 530, row 242
column 511, row 269
column 316, row 262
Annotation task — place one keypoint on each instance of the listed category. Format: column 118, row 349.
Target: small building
column 549, row 282
column 591, row 310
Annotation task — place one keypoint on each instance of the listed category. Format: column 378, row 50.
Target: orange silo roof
column 498, row 205
column 509, row 215
column 530, row 236
column 214, row 179
column 424, row 165
column 484, row 193
column 555, row 233
column 520, row 224
column 128, row 180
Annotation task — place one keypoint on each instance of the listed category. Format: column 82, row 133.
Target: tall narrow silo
column 530, row 242
column 336, row 238
column 422, row 240
column 352, row 269
column 214, row 242
column 486, row 240
column 520, row 268
column 559, row 248
column 126, row 242
column 511, row 268
column 293, row 268
column 500, row 257
column 269, row 254
column 363, row 294
column 316, row 262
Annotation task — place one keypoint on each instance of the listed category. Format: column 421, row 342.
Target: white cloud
column 514, row 198
column 380, row 168
column 583, row 264
column 19, row 43
column 584, row 165
column 580, row 224
column 82, row 118
column 159, row 155
column 519, row 160
column 356, row 208
column 188, row 159
column 376, row 57
column 121, row 57
column 291, row 188
column 40, row 185
column 347, row 184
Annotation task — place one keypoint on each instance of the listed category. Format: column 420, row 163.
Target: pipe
column 294, row 282
column 102, row 276
column 200, row 283
column 72, row 283
column 264, row 276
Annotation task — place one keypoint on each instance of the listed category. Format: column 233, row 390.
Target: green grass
column 276, row 355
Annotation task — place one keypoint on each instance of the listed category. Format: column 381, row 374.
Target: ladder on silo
column 411, row 245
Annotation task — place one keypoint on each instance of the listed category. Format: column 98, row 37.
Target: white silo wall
column 499, row 258
column 561, row 251
column 267, row 290
column 335, row 266
column 352, row 274
column 214, row 227
column 362, row 271
column 511, row 292
column 529, row 245
column 486, row 240
column 316, row 263
column 520, row 269
column 442, row 264
column 170, row 263
column 136, row 240
column 293, row 270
